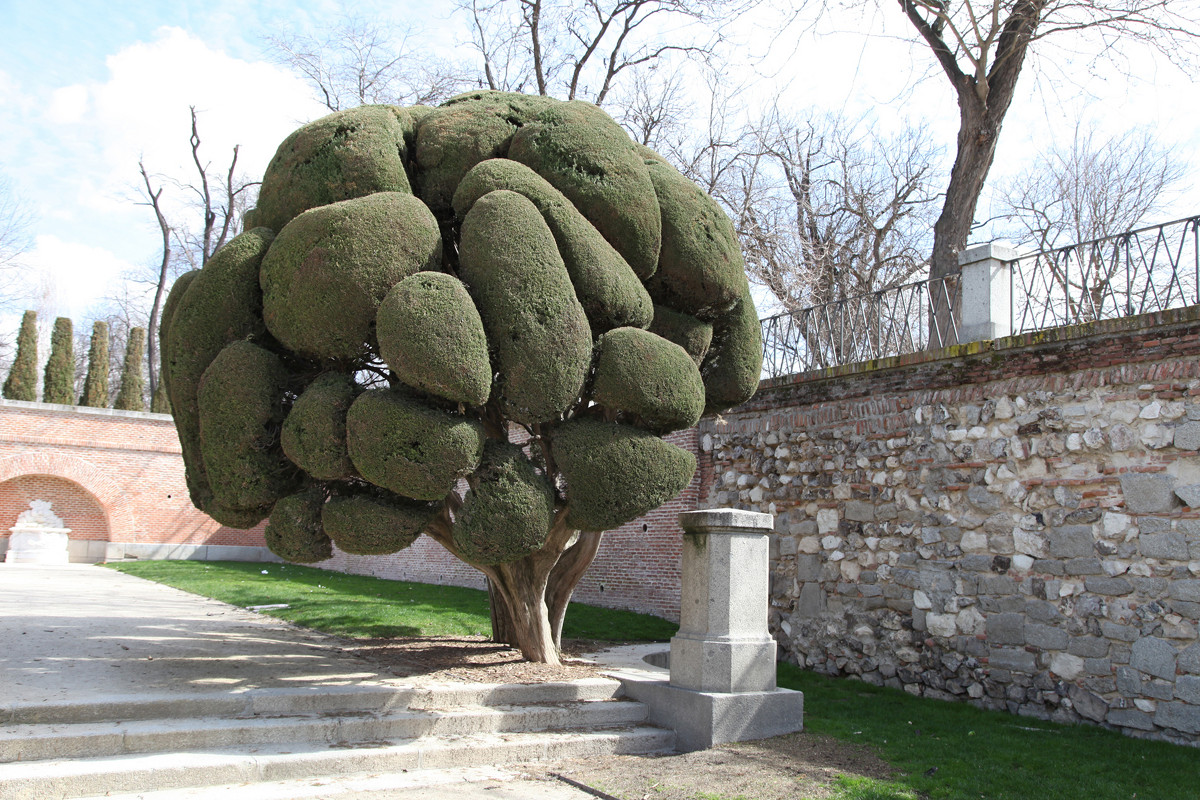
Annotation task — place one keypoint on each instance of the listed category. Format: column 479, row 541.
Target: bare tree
column 582, row 50
column 220, row 203
column 1090, row 188
column 981, row 48
column 1079, row 194
column 361, row 62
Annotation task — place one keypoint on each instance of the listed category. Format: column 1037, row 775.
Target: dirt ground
column 784, row 768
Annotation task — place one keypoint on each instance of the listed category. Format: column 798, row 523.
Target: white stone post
column 723, row 644
column 986, row 292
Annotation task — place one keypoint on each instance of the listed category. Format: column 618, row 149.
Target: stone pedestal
column 38, row 537
column 723, row 644
column 722, row 662
column 986, row 292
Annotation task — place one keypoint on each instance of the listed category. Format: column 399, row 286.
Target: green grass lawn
column 362, row 606
column 941, row 751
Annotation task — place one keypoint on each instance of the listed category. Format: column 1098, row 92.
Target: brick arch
column 115, row 502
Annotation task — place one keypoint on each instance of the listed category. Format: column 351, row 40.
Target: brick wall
column 112, row 476
column 1014, row 523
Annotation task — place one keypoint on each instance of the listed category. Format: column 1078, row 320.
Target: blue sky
column 88, row 88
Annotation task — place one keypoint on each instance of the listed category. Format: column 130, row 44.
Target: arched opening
column 78, row 508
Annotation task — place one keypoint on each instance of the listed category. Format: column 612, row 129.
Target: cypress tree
column 58, row 382
column 95, row 385
column 22, row 378
column 131, row 397
column 159, row 404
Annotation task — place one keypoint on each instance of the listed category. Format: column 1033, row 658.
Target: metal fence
column 860, row 328
column 1150, row 269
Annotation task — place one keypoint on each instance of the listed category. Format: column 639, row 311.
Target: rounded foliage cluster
column 414, row 286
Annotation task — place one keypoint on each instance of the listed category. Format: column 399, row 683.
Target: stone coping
column 56, row 408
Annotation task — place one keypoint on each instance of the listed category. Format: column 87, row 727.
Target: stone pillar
column 723, row 644
column 721, row 684
column 986, row 292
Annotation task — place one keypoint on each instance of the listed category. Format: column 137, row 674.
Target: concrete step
column 463, row 783
column 306, row 700
column 179, row 770
column 60, row 741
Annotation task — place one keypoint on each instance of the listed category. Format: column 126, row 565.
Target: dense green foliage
column 646, row 375
column 95, row 384
column 540, row 334
column 345, row 155
column 314, row 432
column 58, row 380
column 132, row 395
column 329, row 268
column 616, row 473
column 508, row 512
column 21, row 383
column 404, row 445
column 425, row 280
column 294, row 531
column 159, row 402
column 362, row 606
column 373, row 523
column 432, row 337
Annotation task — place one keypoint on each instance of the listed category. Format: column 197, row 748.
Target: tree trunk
column 566, row 576
column 522, row 585
column 502, row 624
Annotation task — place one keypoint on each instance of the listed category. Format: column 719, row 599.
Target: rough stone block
column 1071, row 541
column 1129, row 682
column 1087, row 704
column 859, row 511
column 808, row 568
column 1148, row 493
column 1130, row 718
column 1189, row 660
column 1190, row 495
column 1088, row 647
column 1186, row 590
column 1180, row 716
column 1187, row 689
column 1084, row 566
column 1014, row 659
column 1163, row 545
column 1155, row 657
column 1066, row 666
column 1006, row 629
column 1187, row 436
column 1046, row 637
column 1108, row 586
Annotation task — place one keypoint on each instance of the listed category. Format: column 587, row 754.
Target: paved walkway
column 75, row 632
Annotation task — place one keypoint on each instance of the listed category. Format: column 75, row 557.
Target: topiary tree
column 132, row 397
column 58, row 380
column 474, row 322
column 21, row 383
column 95, row 384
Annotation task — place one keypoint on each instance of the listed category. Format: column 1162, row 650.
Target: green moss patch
column 314, row 432
column 330, row 267
column 609, row 291
column 534, row 323
column 507, row 513
column 734, row 362
column 616, row 473
column 294, row 531
column 409, row 447
column 345, row 155
column 373, row 524
column 432, row 337
column 221, row 304
column 700, row 269
column 584, row 154
column 241, row 410
column 644, row 374
column 693, row 335
column 463, row 131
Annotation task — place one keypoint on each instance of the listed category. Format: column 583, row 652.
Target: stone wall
column 1007, row 522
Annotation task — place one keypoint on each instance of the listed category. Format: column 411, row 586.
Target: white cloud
column 68, row 104
column 68, row 278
